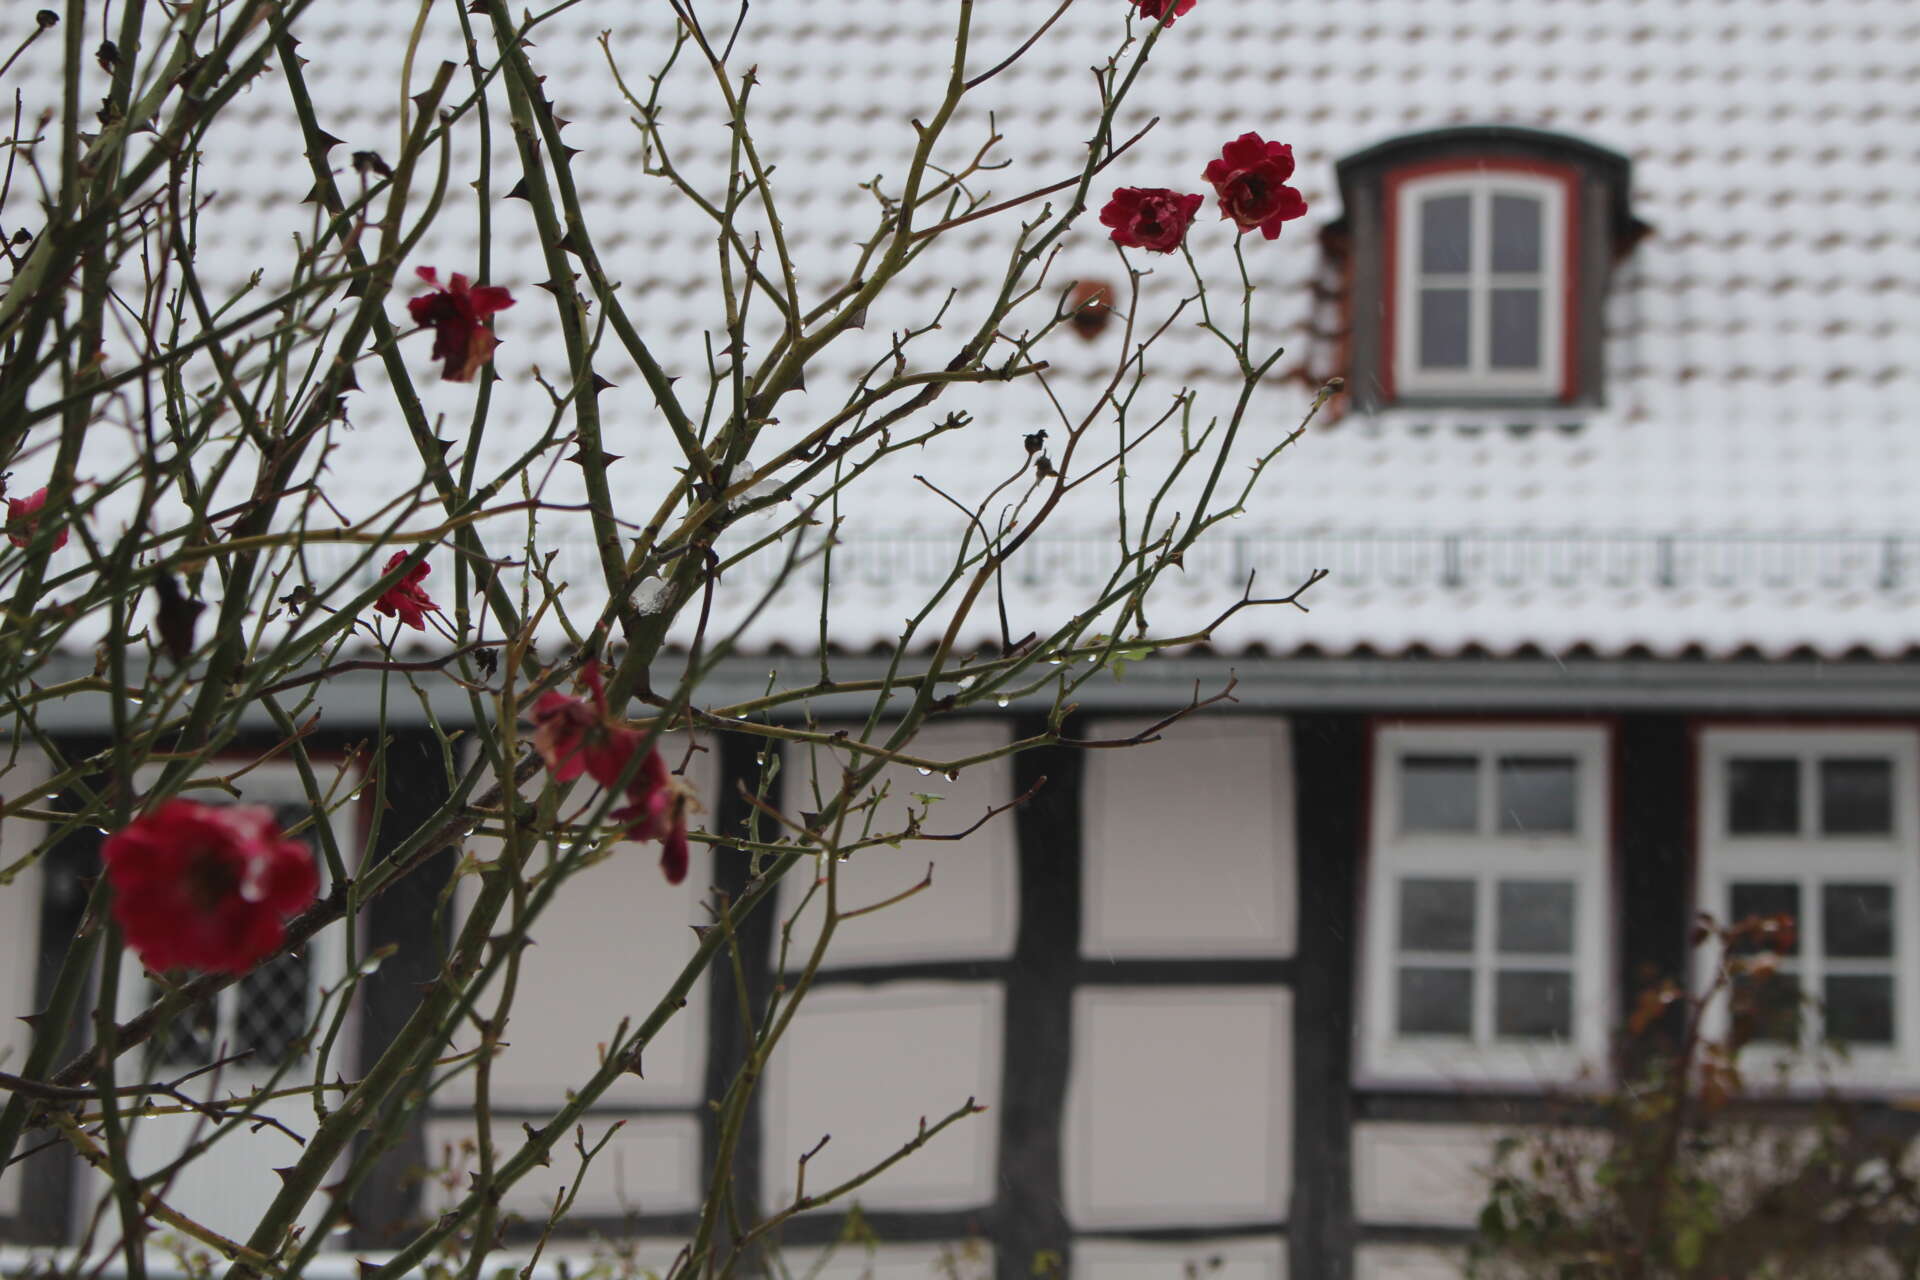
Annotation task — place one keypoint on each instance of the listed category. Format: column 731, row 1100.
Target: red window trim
column 1569, row 179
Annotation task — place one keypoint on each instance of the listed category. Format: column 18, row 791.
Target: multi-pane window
column 1481, row 281
column 265, row 1014
column 1820, row 826
column 1485, row 951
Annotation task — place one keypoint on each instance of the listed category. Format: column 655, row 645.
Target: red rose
column 656, row 809
column 23, row 519
column 405, row 598
column 206, row 887
column 1150, row 217
column 1250, row 177
column 458, row 315
column 576, row 736
column 1154, row 8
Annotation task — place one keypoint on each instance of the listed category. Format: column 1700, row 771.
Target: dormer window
column 1475, row 264
column 1481, row 279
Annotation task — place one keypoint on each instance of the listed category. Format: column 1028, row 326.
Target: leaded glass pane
column 272, row 1009
column 186, row 1040
column 1435, row 1002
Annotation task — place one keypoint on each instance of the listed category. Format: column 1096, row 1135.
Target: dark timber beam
column 1037, row 1059
column 1330, row 758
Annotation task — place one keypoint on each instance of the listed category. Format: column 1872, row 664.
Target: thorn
column 567, row 243
column 326, row 140
column 581, row 456
column 601, row 384
column 858, row 320
column 368, row 1269
column 286, row 1174
column 519, row 191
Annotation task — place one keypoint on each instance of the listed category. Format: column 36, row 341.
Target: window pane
column 187, row 1039
column 1767, row 1006
column 1436, row 1002
column 1436, row 915
column 1516, row 233
column 1856, row 920
column 1446, row 234
column 1860, row 1009
column 1751, row 899
column 1536, row 917
column 1516, row 329
column 1533, row 1006
column 1443, row 328
column 272, row 1010
column 1763, row 797
column 1536, row 793
column 1439, row 793
column 1856, row 797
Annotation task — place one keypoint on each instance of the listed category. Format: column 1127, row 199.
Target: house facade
column 1621, row 627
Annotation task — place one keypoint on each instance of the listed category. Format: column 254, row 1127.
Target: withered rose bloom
column 206, row 887
column 1090, row 304
column 1250, row 178
column 23, row 520
column 1150, row 217
column 1152, row 9
column 406, row 598
column 457, row 314
column 576, row 735
column 656, row 809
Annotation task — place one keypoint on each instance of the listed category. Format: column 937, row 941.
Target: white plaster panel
column 651, row 1165
column 1189, row 841
column 1237, row 1259
column 968, row 912
column 866, row 1064
column 606, row 948
column 1429, row 1174
column 1181, row 1106
column 1407, row 1262
column 962, row 1260
column 19, row 931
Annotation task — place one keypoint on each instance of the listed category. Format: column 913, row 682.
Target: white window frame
column 1811, row 860
column 1479, row 378
column 1486, row 857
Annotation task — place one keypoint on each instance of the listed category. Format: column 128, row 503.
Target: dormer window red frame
column 1475, row 262
column 1481, row 280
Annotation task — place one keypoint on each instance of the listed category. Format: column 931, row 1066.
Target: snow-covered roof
column 1746, row 486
